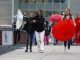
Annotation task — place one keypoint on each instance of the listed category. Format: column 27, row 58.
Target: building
column 8, row 8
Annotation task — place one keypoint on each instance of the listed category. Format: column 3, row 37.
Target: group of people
column 37, row 25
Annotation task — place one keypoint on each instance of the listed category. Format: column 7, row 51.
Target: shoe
column 68, row 50
column 30, row 50
column 26, row 50
column 41, row 51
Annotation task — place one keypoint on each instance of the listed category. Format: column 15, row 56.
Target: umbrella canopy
column 63, row 30
column 55, row 17
column 19, row 19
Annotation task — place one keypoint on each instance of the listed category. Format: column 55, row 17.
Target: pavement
column 51, row 52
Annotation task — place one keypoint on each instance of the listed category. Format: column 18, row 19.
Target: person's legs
column 45, row 40
column 42, row 40
column 19, row 35
column 38, row 40
column 65, row 43
column 27, row 42
column 47, row 37
column 69, row 44
column 15, row 36
column 31, row 37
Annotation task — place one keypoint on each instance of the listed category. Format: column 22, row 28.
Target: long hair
column 40, row 12
column 69, row 15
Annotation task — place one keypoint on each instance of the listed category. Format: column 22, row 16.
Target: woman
column 39, row 27
column 30, row 29
column 68, row 15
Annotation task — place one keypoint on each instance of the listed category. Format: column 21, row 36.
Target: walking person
column 39, row 27
column 30, row 29
column 68, row 15
column 47, row 33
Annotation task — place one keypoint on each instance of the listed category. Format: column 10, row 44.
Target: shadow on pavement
column 6, row 49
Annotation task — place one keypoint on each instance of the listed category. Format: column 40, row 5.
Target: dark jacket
column 39, row 25
column 29, row 26
column 47, row 28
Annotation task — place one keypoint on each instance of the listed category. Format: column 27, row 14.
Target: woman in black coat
column 39, row 27
column 30, row 29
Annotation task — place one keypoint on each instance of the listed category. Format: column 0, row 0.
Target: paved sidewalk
column 51, row 53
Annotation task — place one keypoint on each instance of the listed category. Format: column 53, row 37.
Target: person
column 17, row 34
column 68, row 15
column 47, row 33
column 30, row 29
column 39, row 27
column 77, row 34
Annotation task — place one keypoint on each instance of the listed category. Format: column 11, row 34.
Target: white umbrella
column 19, row 19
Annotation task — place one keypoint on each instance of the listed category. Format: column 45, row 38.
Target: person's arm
column 73, row 21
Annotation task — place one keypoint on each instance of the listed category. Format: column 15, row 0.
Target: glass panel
column 5, row 20
column 40, row 1
column 47, row 1
column 56, row 1
column 64, row 6
column 32, row 7
column 5, row 9
column 59, row 1
column 28, row 1
column 48, row 7
column 5, row 0
column 24, row 6
column 56, row 12
column 48, row 13
column 56, row 6
column 40, row 6
column 62, row 1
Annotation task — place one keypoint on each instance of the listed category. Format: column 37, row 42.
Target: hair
column 40, row 12
column 69, row 15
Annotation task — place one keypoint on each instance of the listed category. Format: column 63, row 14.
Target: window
column 58, row 1
column 48, row 13
column 56, row 12
column 40, row 1
column 48, row 1
column 28, row 1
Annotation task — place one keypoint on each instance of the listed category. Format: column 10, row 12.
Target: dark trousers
column 67, row 42
column 17, row 35
column 29, row 40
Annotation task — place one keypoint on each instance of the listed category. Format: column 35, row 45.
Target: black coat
column 29, row 26
column 39, row 25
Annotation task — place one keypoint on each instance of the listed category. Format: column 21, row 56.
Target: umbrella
column 55, row 17
column 19, row 19
column 63, row 30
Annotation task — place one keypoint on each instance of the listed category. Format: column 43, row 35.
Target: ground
column 51, row 52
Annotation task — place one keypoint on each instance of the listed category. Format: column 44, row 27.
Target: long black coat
column 39, row 25
column 29, row 26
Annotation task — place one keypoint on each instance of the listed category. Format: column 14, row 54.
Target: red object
column 77, row 38
column 55, row 17
column 63, row 30
column 77, row 28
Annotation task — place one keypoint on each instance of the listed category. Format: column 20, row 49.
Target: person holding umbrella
column 30, row 29
column 68, row 15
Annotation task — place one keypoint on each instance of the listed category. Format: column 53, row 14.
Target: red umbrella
column 55, row 17
column 63, row 30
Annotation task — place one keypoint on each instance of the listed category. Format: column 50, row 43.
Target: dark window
column 58, row 1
